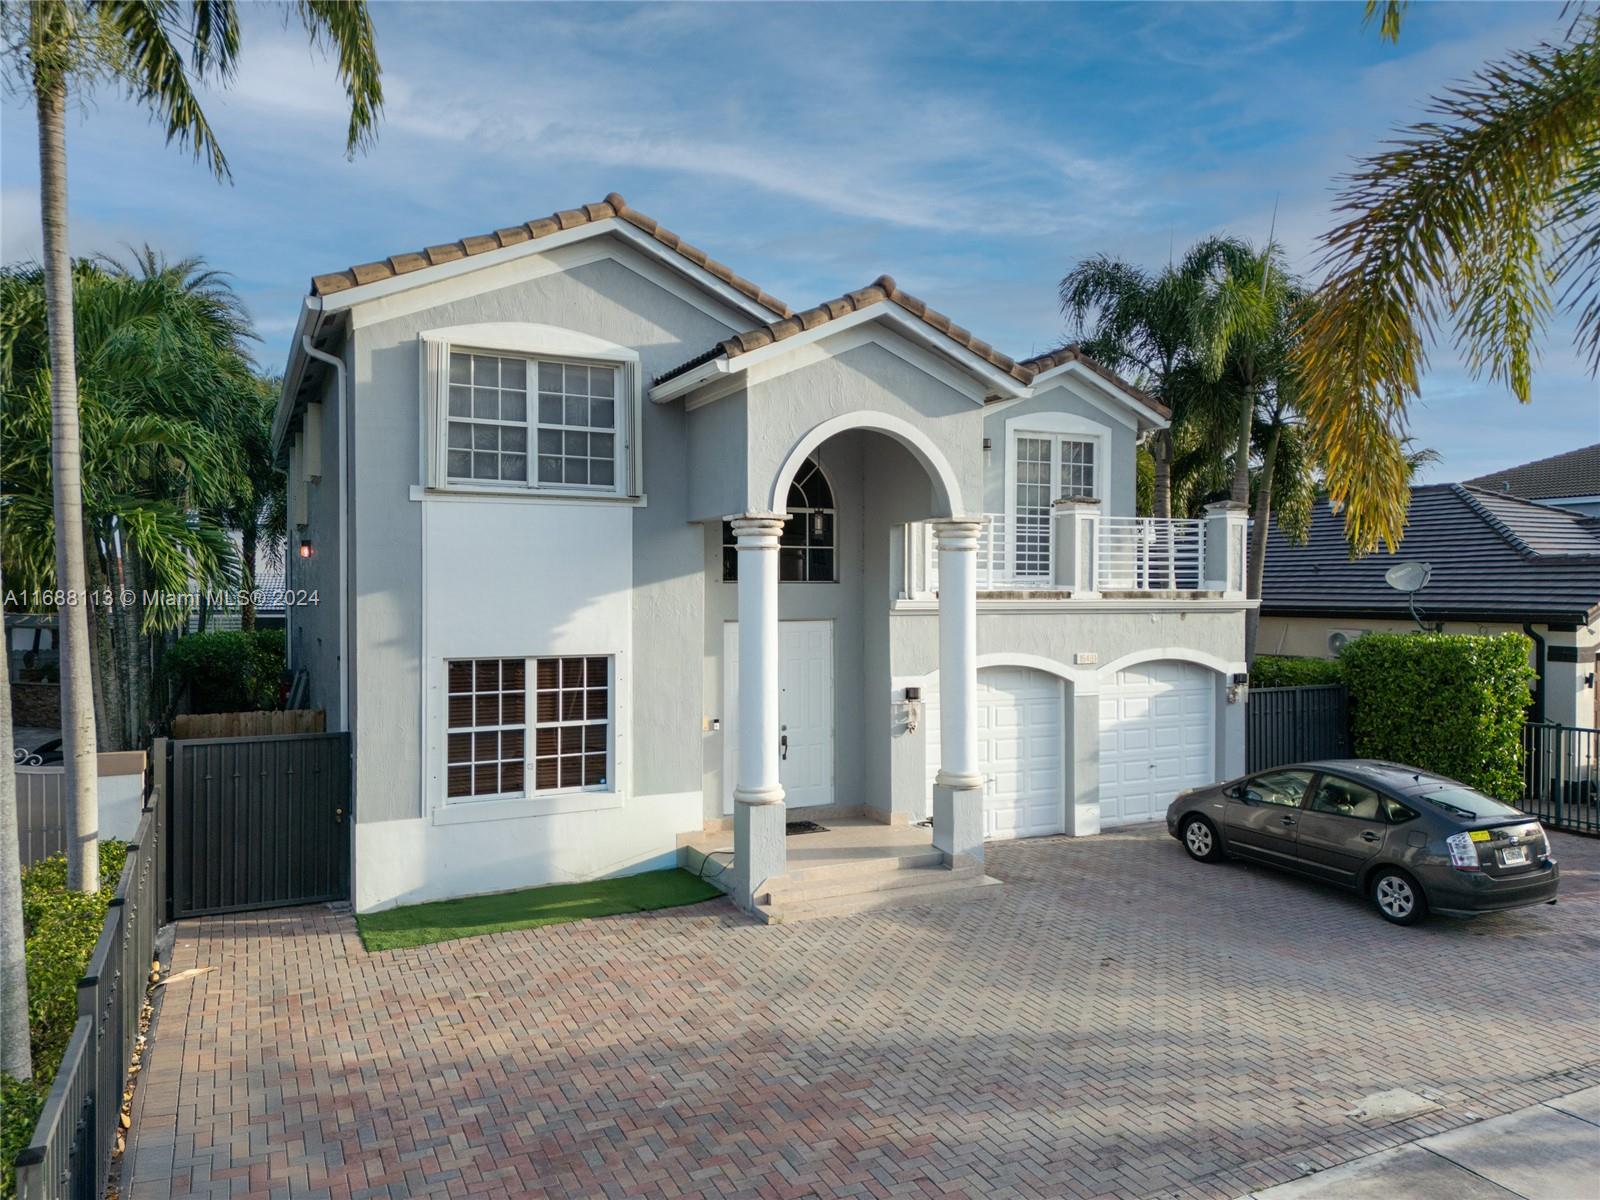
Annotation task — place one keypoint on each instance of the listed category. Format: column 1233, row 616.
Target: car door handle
column 1369, row 836
column 1287, row 820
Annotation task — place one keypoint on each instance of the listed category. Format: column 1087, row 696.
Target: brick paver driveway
column 1119, row 1021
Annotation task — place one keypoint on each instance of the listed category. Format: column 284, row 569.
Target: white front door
column 1157, row 737
column 805, row 712
column 1020, row 741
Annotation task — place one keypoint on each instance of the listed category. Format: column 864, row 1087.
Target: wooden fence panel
column 249, row 724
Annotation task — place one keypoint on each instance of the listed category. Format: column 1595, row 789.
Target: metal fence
column 1561, row 776
column 259, row 822
column 70, row 1152
column 41, row 812
column 1294, row 724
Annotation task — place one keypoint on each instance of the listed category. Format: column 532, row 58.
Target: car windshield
column 1463, row 802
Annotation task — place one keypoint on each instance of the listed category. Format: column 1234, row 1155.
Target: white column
column 758, row 811
column 958, row 652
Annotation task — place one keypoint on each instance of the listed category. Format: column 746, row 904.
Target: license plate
column 1514, row 856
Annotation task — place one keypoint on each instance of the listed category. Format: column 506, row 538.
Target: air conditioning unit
column 1340, row 638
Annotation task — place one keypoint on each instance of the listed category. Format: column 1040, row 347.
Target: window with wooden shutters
column 572, row 736
column 486, row 735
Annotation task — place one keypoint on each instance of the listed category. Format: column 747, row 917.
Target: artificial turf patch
column 443, row 920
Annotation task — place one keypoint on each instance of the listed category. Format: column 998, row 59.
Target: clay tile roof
column 1575, row 473
column 612, row 206
column 879, row 290
column 1041, row 363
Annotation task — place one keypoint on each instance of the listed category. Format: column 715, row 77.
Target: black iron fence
column 1294, row 724
column 70, row 1153
column 1561, row 776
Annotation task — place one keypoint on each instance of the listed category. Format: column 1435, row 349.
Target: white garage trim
column 1221, row 666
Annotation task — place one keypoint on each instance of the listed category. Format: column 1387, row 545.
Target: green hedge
column 61, row 928
column 229, row 671
column 1446, row 703
column 1272, row 671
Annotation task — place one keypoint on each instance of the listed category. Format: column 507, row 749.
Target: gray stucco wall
column 605, row 299
column 313, row 629
column 782, row 411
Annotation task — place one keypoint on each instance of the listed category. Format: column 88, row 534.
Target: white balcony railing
column 1083, row 552
column 1148, row 554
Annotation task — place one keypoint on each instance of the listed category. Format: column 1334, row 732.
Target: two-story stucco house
column 614, row 551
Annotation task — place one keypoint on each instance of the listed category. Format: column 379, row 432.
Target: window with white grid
column 486, row 728
column 487, row 437
column 520, row 421
column 572, row 717
column 1077, row 469
column 577, row 425
column 1030, row 541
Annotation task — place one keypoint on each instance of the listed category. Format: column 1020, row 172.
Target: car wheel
column 1398, row 896
column 1201, row 841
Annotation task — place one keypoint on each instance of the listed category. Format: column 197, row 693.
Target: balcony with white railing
column 1077, row 552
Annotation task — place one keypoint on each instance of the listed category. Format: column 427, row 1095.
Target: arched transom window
column 808, row 548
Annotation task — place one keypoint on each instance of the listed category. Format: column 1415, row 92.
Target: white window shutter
column 435, row 372
column 633, row 459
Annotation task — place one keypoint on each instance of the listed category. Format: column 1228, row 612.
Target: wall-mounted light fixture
column 819, row 526
column 911, row 708
column 1238, row 687
column 306, row 549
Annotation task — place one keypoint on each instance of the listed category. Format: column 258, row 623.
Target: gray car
column 1412, row 841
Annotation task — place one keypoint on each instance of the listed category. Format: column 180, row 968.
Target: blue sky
column 974, row 152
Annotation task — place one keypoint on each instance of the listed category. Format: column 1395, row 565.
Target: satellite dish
column 1409, row 576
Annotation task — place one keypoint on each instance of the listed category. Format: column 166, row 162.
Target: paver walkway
column 1119, row 1022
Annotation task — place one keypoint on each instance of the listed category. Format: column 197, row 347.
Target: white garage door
column 1157, row 737
column 1019, row 752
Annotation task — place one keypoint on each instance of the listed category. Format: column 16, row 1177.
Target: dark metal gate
column 1296, row 724
column 1561, row 776
column 259, row 822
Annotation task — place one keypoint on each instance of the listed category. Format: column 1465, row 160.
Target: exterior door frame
column 730, row 707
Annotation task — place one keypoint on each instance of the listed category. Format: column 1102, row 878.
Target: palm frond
column 347, row 26
column 153, row 70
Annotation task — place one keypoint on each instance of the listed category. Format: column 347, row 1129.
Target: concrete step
column 880, row 864
column 967, row 887
column 787, row 889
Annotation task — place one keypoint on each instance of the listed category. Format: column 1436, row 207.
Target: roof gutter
column 307, row 325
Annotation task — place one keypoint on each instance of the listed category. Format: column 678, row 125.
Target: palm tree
column 1475, row 223
column 16, row 1050
column 162, row 380
column 1143, row 324
column 56, row 44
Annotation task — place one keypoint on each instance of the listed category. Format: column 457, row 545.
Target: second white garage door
column 1157, row 737
column 1019, row 752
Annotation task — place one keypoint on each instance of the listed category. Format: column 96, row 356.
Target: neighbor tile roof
column 1495, row 557
column 612, row 206
column 880, row 289
column 1575, row 473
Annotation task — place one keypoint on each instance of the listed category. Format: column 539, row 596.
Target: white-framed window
column 488, row 755
column 570, row 417
column 486, row 728
column 533, row 409
column 1046, row 467
column 808, row 546
column 573, row 720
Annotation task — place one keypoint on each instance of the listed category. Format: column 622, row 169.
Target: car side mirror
column 1236, row 792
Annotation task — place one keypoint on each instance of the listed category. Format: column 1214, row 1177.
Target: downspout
column 344, row 503
column 1539, row 670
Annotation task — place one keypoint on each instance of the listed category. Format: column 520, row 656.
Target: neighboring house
column 610, row 546
column 1498, row 563
column 1570, row 480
